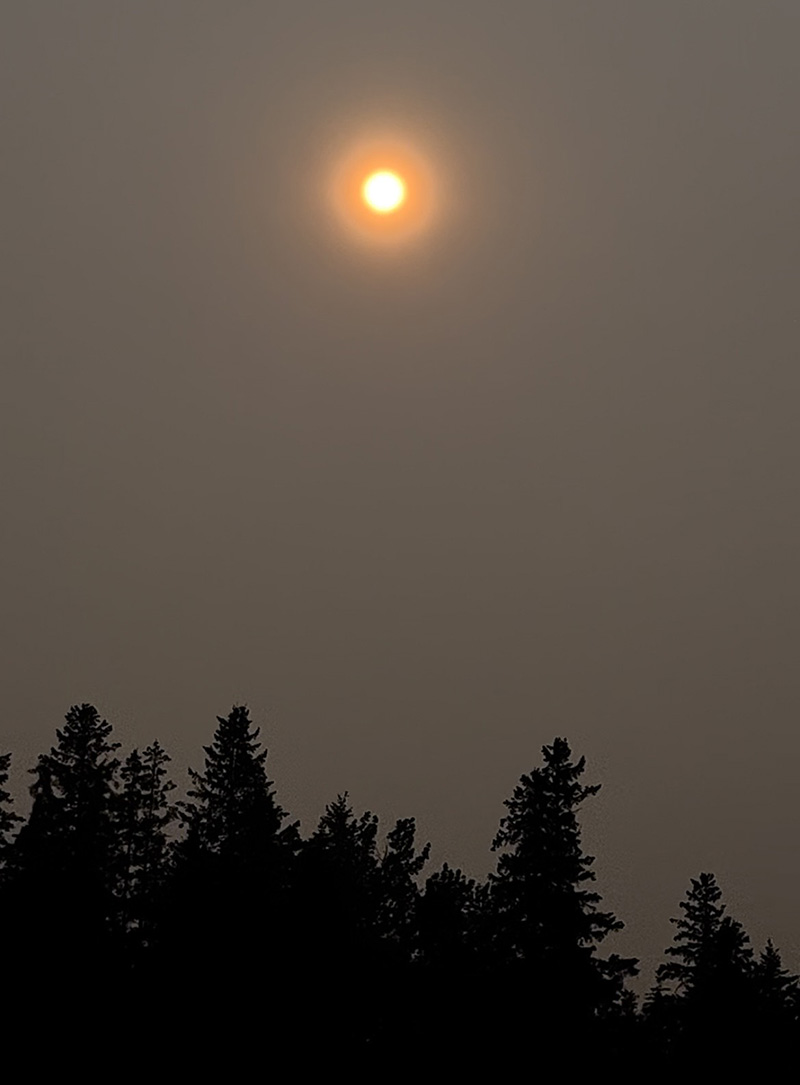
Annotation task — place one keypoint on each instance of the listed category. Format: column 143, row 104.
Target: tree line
column 208, row 930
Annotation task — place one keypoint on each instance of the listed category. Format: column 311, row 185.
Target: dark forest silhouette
column 209, row 931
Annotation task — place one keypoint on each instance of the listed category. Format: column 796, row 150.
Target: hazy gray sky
column 423, row 511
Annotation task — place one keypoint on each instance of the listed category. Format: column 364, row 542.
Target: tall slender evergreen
column 61, row 895
column 144, row 815
column 547, row 922
column 705, row 992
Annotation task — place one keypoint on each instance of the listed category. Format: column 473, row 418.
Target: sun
column 384, row 191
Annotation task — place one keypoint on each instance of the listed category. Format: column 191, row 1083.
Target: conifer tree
column 338, row 944
column 547, row 922
column 371, row 894
column 777, row 988
column 452, row 990
column 63, row 860
column 706, row 992
column 396, row 924
column 341, row 860
column 711, row 949
column 226, row 913
column 777, row 994
column 446, row 920
column 400, row 866
column 69, row 837
column 233, row 813
column 143, row 819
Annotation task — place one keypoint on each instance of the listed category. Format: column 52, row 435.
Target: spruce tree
column 400, row 866
column 338, row 945
column 228, row 907
column 710, row 947
column 446, row 920
column 143, row 818
column 777, row 988
column 63, row 863
column 69, row 838
column 397, row 921
column 547, row 923
column 706, row 992
column 452, row 986
column 777, row 995
column 341, row 873
column 233, row 813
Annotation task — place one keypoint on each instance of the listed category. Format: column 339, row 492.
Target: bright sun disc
column 384, row 191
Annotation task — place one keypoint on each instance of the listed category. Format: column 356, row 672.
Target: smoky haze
column 533, row 475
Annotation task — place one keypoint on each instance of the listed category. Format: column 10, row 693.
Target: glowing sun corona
column 384, row 192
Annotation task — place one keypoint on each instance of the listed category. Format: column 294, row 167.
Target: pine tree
column 396, row 924
column 447, row 913
column 143, row 819
column 452, row 986
column 400, row 866
column 69, row 837
column 235, row 838
column 706, row 991
column 776, row 1021
column 234, row 814
column 777, row 987
column 226, row 914
column 710, row 948
column 341, row 860
column 338, row 941
column 547, row 922
column 63, row 861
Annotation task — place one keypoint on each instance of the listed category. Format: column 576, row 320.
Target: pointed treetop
column 233, row 808
column 709, row 944
column 79, row 771
column 352, row 839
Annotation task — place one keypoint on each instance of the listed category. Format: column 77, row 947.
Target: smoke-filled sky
column 422, row 506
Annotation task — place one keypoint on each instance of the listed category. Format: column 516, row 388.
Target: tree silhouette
column 68, row 841
column 710, row 947
column 447, row 914
column 707, row 989
column 396, row 921
column 144, row 814
column 547, row 923
column 777, row 988
column 451, row 993
column 400, row 866
column 340, row 877
column 239, row 932
column 61, row 896
column 234, row 813
column 228, row 895
column 776, row 1022
column 340, row 899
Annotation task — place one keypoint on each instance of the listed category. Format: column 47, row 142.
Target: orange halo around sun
column 383, row 192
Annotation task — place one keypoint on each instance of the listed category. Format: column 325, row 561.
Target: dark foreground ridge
column 143, row 934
